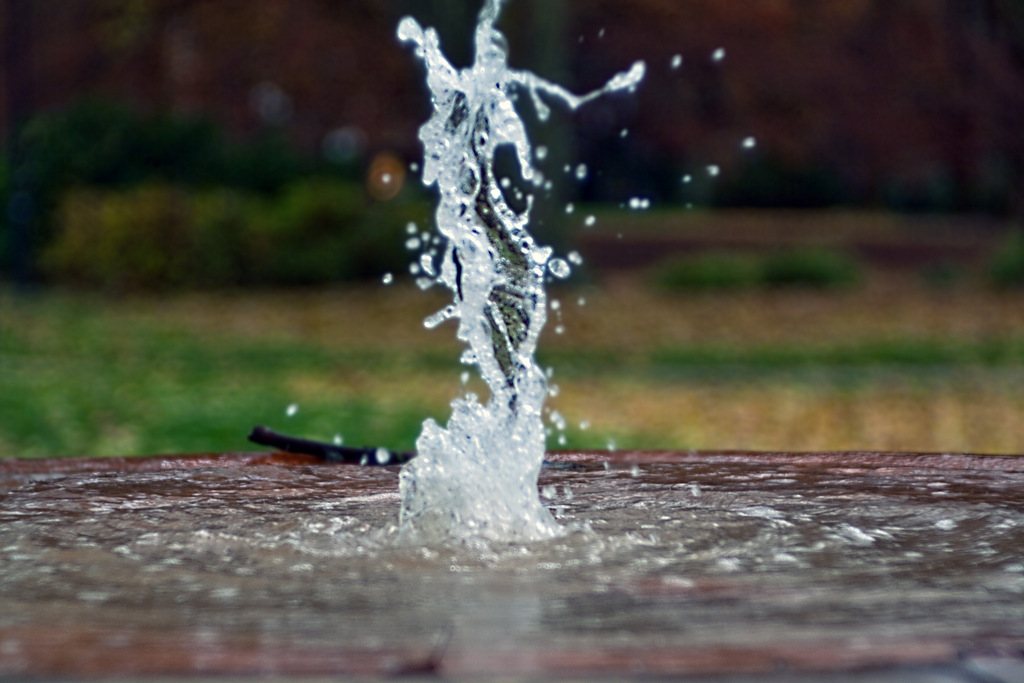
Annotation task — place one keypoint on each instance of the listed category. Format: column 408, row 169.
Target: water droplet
column 624, row 132
column 388, row 278
column 677, row 61
column 714, row 170
column 559, row 329
column 505, row 183
column 412, row 243
column 464, row 377
column 553, row 390
column 559, row 268
column 555, row 304
column 427, row 264
column 411, row 228
column 575, row 258
column 718, row 55
column 749, row 142
column 291, row 410
column 687, row 179
column 634, row 471
column 549, row 491
column 611, row 444
column 570, row 207
column 414, row 167
column 414, row 269
column 585, row 425
column 561, row 439
column 581, row 301
column 589, row 221
column 600, row 34
column 382, row 456
column 541, row 153
column 338, row 440
column 581, row 172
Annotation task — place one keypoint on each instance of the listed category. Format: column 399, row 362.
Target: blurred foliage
column 708, row 271
column 1007, row 266
column 126, row 200
column 811, row 267
column 162, row 237
column 103, row 144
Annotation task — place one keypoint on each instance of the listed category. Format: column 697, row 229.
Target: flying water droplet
column 291, row 410
column 718, row 55
column 589, row 221
column 559, row 268
column 411, row 228
column 581, row 172
column 570, row 207
column 575, row 258
column 687, row 179
column 677, row 61
column 338, row 440
column 749, row 142
column 714, row 170
column 412, row 243
column 382, row 456
column 388, row 278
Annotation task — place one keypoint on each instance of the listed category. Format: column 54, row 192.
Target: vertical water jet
column 477, row 478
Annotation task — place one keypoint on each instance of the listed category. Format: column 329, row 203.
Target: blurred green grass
column 88, row 375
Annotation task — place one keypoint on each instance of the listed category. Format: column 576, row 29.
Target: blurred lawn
column 891, row 365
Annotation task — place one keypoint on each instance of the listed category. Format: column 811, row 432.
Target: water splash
column 478, row 476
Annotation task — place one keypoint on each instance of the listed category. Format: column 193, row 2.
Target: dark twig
column 329, row 452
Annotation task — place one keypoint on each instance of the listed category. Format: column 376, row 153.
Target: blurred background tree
column 910, row 107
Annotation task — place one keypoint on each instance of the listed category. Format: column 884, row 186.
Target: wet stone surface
column 672, row 564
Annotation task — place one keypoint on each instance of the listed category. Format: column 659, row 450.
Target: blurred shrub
column 814, row 268
column 103, row 144
column 1007, row 266
column 159, row 236
column 770, row 182
column 708, row 271
column 100, row 144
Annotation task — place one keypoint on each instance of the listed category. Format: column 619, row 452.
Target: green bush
column 709, row 271
column 816, row 268
column 1007, row 266
column 159, row 237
